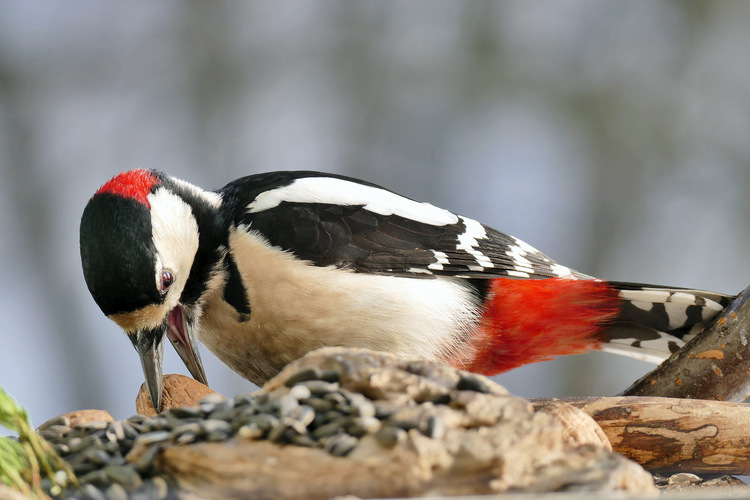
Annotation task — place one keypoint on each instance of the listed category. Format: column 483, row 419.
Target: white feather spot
column 677, row 314
column 519, row 274
column 442, row 259
column 646, row 296
column 467, row 241
column 330, row 190
column 640, row 304
column 562, row 271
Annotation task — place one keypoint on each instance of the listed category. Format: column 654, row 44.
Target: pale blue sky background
column 613, row 136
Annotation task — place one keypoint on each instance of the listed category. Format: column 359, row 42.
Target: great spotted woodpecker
column 274, row 265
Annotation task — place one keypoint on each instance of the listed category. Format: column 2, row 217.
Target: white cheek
column 175, row 235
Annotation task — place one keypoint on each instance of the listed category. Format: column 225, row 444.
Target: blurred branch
column 713, row 365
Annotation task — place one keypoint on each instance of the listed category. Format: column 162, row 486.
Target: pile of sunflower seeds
column 314, row 412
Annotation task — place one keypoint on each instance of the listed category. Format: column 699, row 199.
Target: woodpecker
column 277, row 264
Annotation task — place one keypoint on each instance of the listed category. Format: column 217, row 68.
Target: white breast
column 297, row 307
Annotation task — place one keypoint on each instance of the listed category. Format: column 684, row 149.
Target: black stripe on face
column 118, row 254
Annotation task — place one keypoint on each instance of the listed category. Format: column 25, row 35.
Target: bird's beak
column 180, row 333
column 150, row 347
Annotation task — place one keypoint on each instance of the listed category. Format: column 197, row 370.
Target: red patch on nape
column 133, row 184
column 527, row 320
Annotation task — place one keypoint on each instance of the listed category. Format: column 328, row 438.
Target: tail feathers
column 656, row 321
column 525, row 321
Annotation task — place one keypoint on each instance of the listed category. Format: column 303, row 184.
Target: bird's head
column 138, row 241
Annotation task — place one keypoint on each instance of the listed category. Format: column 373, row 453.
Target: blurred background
column 613, row 136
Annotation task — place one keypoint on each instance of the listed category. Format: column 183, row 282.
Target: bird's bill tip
column 150, row 347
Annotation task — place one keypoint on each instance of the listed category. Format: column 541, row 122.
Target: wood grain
column 669, row 435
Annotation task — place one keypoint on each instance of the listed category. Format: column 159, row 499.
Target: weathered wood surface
column 673, row 435
column 714, row 365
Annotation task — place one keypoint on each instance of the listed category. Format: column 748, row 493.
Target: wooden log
column 668, row 435
column 713, row 365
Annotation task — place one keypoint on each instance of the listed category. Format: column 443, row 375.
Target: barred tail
column 656, row 321
column 530, row 320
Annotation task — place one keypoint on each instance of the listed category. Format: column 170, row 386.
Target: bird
column 276, row 264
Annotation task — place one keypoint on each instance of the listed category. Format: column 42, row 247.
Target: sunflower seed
column 98, row 477
column 330, row 376
column 125, row 476
column 54, row 431
column 320, row 387
column 91, row 492
column 390, row 436
column 300, row 392
column 340, row 445
column 186, row 412
column 319, row 404
column 327, row 430
column 433, row 427
column 159, row 487
column 190, row 427
column 152, row 437
column 250, row 432
column 61, row 420
column 469, row 382
column 302, row 376
column 116, row 492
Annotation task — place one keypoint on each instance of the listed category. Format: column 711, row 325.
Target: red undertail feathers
column 528, row 320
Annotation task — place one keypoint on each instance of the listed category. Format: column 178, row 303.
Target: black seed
column 158, row 487
column 320, row 387
column 116, row 492
column 340, row 445
column 327, row 430
column 319, row 404
column 302, row 376
column 434, row 427
column 186, row 412
column 303, row 440
column 277, row 433
column 471, row 383
column 153, row 437
column 61, row 420
column 92, row 492
column 54, row 432
column 330, row 376
column 123, row 475
column 390, row 436
column 403, row 423
column 98, row 477
column 440, row 399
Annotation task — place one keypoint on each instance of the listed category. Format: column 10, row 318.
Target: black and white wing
column 338, row 221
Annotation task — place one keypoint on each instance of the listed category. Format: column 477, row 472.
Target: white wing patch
column 330, row 190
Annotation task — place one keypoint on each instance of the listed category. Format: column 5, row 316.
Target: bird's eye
column 166, row 281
